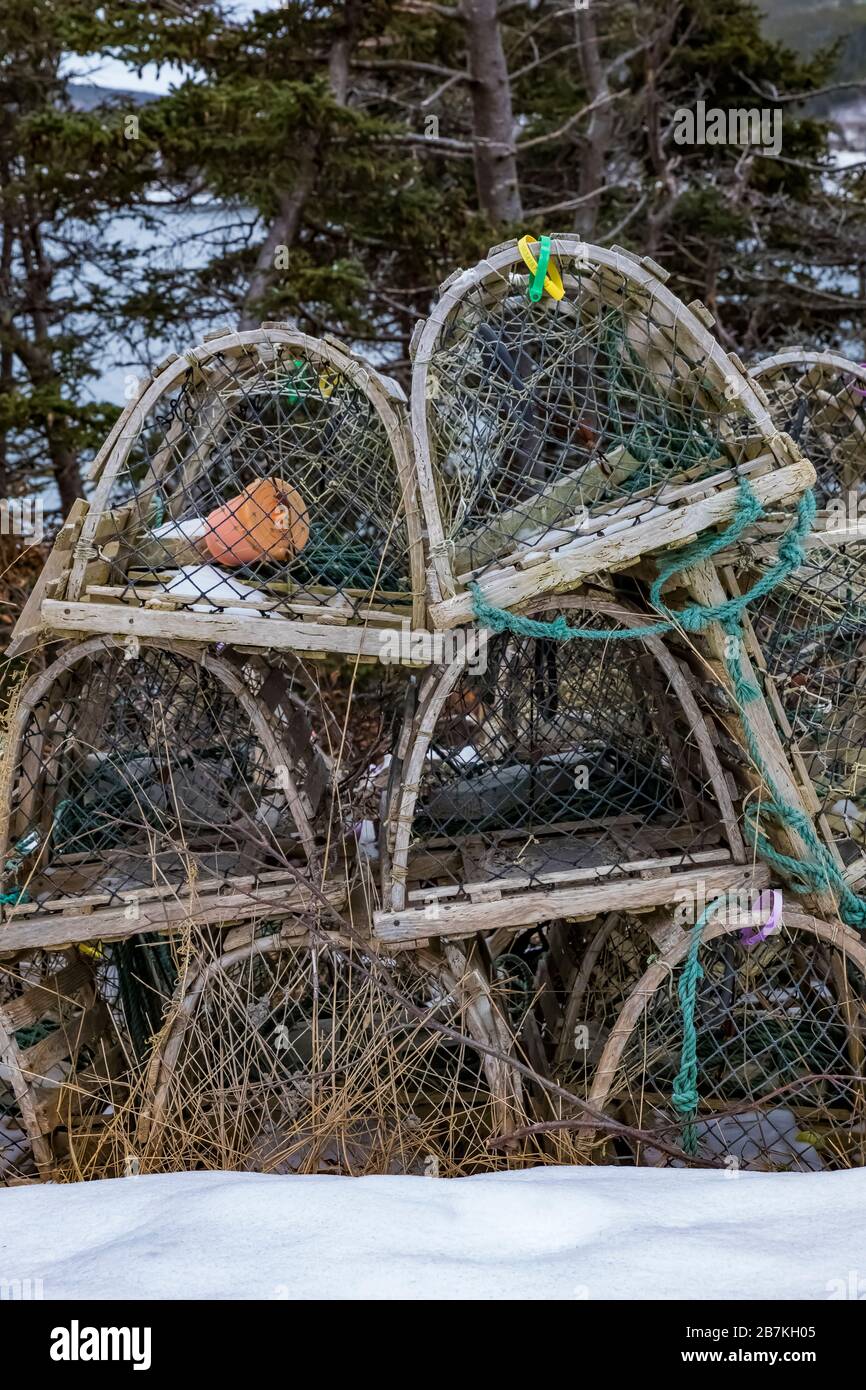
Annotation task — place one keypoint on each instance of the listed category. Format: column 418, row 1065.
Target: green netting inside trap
column 141, row 974
column 346, row 561
column 541, row 412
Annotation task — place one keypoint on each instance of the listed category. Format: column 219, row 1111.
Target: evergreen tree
column 64, row 173
column 361, row 149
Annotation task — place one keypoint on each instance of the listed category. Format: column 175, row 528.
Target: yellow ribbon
column 552, row 280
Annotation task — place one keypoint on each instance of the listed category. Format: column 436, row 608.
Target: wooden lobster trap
column 60, row 1060
column 819, row 399
column 561, row 435
column 554, row 780
column 807, row 636
column 258, row 491
column 147, row 786
column 779, row 1020
column 287, row 1053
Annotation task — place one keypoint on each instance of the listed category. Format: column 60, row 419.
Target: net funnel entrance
column 147, row 783
column 780, row 1050
column 263, row 476
column 557, row 765
column 540, row 425
column 819, row 399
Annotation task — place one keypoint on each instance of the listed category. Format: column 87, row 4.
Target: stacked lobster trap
column 180, row 769
column 413, row 789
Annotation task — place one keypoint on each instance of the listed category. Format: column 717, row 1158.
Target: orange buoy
column 267, row 521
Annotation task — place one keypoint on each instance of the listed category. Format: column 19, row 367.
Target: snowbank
column 551, row 1233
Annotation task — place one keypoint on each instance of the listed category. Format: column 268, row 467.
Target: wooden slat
column 525, row 909
column 65, row 1041
column 40, row 1000
column 566, row 567
column 586, row 875
column 279, row 634
column 55, row 930
column 27, row 629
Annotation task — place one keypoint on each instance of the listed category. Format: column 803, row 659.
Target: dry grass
column 281, row 1055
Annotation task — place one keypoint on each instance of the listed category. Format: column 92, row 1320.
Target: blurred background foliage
column 330, row 164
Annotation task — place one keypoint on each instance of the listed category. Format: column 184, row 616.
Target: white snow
column 208, row 581
column 193, row 528
column 203, row 582
column 563, row 1233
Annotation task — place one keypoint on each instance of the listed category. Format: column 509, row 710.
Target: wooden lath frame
column 517, row 911
column 157, row 908
column 69, row 998
column 615, row 541
column 386, row 399
column 809, row 357
column 401, row 813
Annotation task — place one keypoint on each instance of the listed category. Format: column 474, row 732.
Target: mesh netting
column 812, row 633
column 262, row 481
column 820, row 400
column 588, row 986
column 284, row 1058
column 143, row 772
column 780, row 1055
column 540, row 414
column 558, row 762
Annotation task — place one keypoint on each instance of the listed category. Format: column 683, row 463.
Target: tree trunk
column 283, row 232
column 594, row 153
column 496, row 176
column 36, row 354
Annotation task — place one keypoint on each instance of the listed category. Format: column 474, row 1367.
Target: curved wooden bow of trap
column 819, row 398
column 267, row 1063
column 614, row 401
column 440, row 687
column 348, row 495
column 780, row 1022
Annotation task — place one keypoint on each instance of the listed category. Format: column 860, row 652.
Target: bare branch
column 572, row 121
column 857, row 84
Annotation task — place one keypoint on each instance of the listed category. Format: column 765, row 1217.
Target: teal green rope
column 819, row 872
column 816, row 873
column 694, row 618
column 685, row 1091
